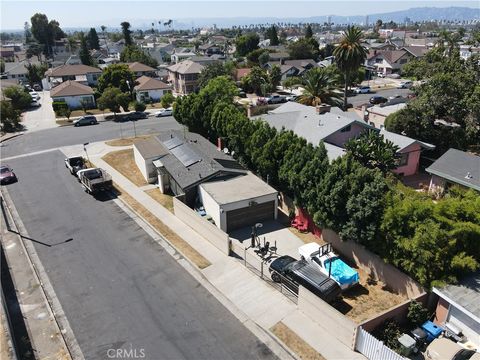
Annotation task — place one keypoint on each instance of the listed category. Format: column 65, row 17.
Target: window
column 378, row 60
column 402, row 159
column 346, row 129
column 403, row 61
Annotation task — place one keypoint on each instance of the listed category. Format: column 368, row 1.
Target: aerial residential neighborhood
column 226, row 180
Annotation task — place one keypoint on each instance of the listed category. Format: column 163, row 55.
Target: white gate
column 374, row 349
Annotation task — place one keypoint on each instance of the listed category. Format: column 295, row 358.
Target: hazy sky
column 86, row 13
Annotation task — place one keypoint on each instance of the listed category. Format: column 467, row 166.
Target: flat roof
column 150, row 148
column 246, row 187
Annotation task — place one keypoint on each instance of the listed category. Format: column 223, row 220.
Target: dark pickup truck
column 74, row 164
column 95, row 180
column 302, row 273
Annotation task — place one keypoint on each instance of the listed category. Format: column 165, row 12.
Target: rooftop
column 459, row 167
column 192, row 159
column 403, row 141
column 150, row 148
column 70, row 70
column 71, row 88
column 237, row 189
column 148, row 83
column 464, row 295
column 138, row 66
column 186, row 67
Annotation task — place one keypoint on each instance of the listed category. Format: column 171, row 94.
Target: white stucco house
column 84, row 74
column 149, row 88
column 73, row 93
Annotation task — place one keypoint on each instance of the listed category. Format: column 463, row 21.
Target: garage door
column 250, row 215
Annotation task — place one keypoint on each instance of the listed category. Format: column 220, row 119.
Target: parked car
column 34, row 95
column 393, row 76
column 37, row 87
column 74, row 164
column 164, row 112
column 276, row 99
column 380, row 74
column 377, row 99
column 325, row 260
column 302, row 273
column 405, row 85
column 95, row 180
column 292, row 98
column 35, row 104
column 446, row 349
column 85, row 120
column 362, row 90
column 7, row 176
column 80, row 172
column 136, row 115
column 396, row 96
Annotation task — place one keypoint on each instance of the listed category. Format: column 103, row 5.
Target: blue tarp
column 341, row 272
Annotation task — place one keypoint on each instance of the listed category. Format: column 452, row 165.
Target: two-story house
column 184, row 77
column 87, row 75
column 290, row 68
column 388, row 61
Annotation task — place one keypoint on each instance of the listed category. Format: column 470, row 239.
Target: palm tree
column 103, row 27
column 349, row 55
column 319, row 88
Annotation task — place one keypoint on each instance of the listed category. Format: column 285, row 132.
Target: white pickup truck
column 75, row 164
column 329, row 263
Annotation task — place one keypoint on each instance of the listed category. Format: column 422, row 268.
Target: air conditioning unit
column 453, row 332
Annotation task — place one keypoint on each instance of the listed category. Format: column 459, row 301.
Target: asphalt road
column 70, row 135
column 361, row 99
column 119, row 289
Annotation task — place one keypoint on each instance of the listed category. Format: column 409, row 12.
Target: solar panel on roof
column 173, row 143
column 186, row 155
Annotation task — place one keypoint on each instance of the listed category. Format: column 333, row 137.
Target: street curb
column 53, row 304
column 271, row 341
column 6, row 137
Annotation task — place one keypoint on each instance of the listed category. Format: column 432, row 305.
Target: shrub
column 417, row 314
column 139, row 106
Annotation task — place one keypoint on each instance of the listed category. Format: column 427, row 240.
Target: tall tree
column 304, row 49
column 373, row 151
column 19, row 98
column 272, row 35
column 35, row 72
column 127, row 33
column 92, row 39
column 349, row 55
column 117, row 76
column 308, row 32
column 319, row 88
column 134, row 53
column 84, row 53
column 10, row 117
column 112, row 98
column 26, row 32
column 46, row 32
column 247, row 43
column 103, row 27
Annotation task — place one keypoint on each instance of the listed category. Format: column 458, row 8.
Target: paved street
column 70, row 135
column 360, row 99
column 118, row 288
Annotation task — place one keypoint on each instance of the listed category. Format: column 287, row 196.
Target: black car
column 300, row 272
column 7, row 176
column 137, row 115
column 378, row 100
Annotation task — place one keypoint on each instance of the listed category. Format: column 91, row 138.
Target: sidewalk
column 245, row 291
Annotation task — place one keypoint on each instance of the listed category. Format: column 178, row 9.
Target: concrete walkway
column 42, row 117
column 245, row 291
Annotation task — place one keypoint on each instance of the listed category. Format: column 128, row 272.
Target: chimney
column 323, row 108
column 219, row 144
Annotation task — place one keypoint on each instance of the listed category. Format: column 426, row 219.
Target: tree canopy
column 113, row 98
column 46, row 32
column 246, row 43
column 134, row 53
column 20, row 99
column 127, row 33
column 272, row 35
column 92, row 39
column 319, row 87
column 306, row 48
column 214, row 70
column 84, row 53
column 117, row 76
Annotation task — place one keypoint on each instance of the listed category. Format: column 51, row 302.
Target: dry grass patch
column 165, row 200
column 369, row 298
column 128, row 141
column 64, row 122
column 295, row 342
column 124, row 162
column 176, row 241
column 306, row 237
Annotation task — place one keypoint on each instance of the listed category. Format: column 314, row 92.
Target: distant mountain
column 414, row 14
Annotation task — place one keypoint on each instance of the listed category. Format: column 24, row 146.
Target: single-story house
column 15, row 70
column 455, row 167
column 324, row 123
column 184, row 76
column 458, row 310
column 149, row 88
column 290, row 68
column 408, row 153
column 87, row 75
column 73, row 93
column 191, row 160
column 376, row 115
column 239, row 201
column 140, row 69
column 145, row 152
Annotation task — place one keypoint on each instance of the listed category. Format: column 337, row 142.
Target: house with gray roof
column 184, row 76
column 458, row 310
column 455, row 167
column 328, row 124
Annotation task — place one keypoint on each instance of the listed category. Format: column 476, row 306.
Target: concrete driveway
column 42, row 117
